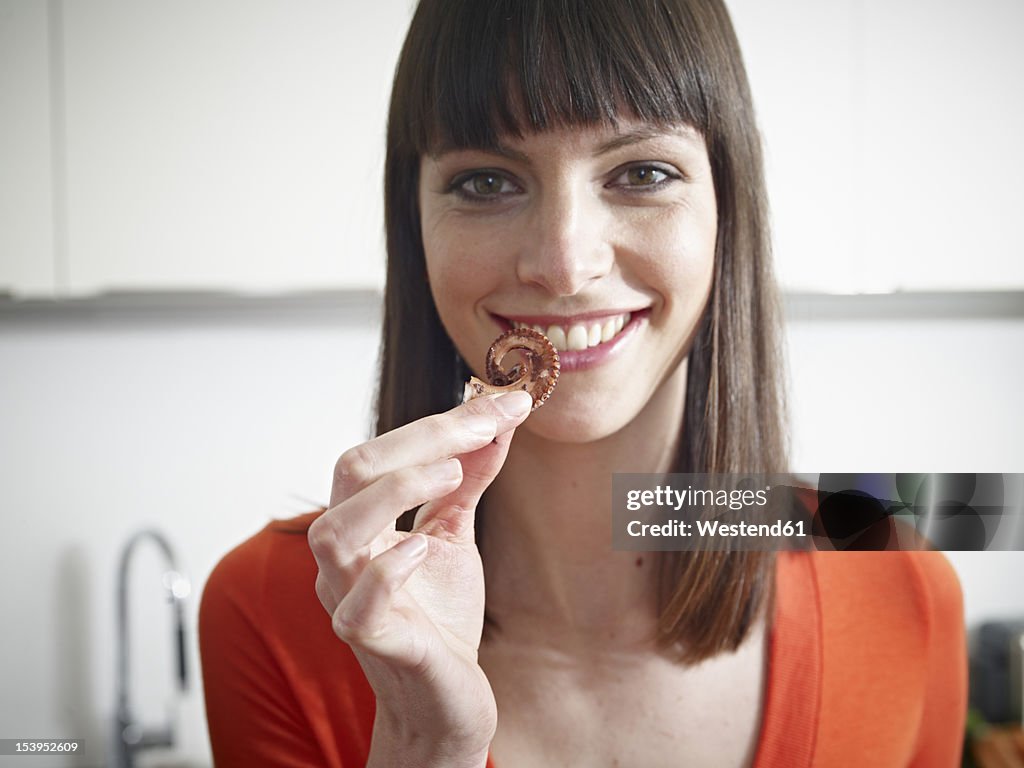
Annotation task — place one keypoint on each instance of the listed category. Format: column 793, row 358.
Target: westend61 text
column 715, row 528
column 667, row 496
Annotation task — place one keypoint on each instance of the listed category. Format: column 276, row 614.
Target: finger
column 465, row 428
column 452, row 516
column 367, row 617
column 325, row 593
column 340, row 538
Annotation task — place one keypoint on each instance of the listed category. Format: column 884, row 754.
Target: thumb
column 452, row 516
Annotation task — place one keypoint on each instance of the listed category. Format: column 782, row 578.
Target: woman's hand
column 411, row 605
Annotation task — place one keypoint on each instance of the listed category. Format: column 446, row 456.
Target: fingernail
column 514, row 404
column 483, row 426
column 447, row 471
column 412, row 547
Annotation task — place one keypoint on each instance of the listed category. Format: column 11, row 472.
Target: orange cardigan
column 867, row 662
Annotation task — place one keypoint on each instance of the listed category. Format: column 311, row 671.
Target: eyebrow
column 635, row 136
column 501, row 149
column 638, row 135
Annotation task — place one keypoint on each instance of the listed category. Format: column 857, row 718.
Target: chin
column 578, row 419
column 585, row 412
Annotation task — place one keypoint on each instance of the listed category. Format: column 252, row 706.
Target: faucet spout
column 130, row 737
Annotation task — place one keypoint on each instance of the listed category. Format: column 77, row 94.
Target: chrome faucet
column 130, row 737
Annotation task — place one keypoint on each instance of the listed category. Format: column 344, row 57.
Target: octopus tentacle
column 537, row 374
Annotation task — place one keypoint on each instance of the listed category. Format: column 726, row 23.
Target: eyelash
column 670, row 175
column 457, row 185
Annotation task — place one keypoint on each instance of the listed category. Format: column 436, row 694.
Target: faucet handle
column 178, row 586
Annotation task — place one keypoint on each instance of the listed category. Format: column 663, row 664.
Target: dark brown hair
column 471, row 72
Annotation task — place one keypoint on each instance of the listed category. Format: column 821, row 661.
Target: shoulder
column 937, row 582
column 280, row 687
column 886, row 627
column 242, row 581
column 282, row 542
column 890, row 584
column 887, row 605
column 886, row 617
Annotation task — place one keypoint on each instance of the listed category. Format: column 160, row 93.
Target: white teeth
column 580, row 336
column 557, row 337
column 577, row 337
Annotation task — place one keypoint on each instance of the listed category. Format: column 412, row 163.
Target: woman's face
column 603, row 238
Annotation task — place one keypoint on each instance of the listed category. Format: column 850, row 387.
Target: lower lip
column 591, row 357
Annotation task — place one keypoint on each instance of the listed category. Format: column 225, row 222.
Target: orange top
column 867, row 662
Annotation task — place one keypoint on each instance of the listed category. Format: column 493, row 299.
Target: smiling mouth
column 581, row 335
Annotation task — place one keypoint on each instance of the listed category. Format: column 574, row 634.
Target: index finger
column 465, row 428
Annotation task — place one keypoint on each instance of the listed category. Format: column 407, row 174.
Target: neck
column 551, row 573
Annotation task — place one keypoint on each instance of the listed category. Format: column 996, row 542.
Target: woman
column 573, row 165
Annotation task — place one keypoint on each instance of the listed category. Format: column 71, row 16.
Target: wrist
column 404, row 744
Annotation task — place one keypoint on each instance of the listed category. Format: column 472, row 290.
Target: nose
column 565, row 248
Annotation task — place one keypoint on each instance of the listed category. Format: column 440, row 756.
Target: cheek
column 678, row 255
column 454, row 266
column 457, row 248
column 450, row 293
column 464, row 271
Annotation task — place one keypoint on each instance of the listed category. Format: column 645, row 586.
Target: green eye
column 487, row 184
column 644, row 176
column 483, row 186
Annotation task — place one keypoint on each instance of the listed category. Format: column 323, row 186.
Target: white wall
column 915, row 395
column 203, row 424
column 207, row 420
column 207, row 423
column 891, row 145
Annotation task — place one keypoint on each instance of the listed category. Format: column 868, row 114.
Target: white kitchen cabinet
column 801, row 58
column 943, row 157
column 237, row 145
column 893, row 141
column 27, row 262
column 229, row 145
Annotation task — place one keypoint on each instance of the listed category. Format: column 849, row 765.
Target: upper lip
column 567, row 320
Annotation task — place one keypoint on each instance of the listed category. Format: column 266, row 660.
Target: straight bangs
column 513, row 67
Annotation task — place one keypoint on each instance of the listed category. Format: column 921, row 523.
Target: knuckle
column 359, row 617
column 379, row 574
column 327, row 540
column 439, row 427
column 481, row 405
column 321, row 537
column 409, row 483
column 355, row 561
column 353, row 625
column 345, row 627
column 356, row 467
column 325, row 594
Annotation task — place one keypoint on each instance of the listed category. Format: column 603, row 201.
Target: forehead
column 595, row 140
